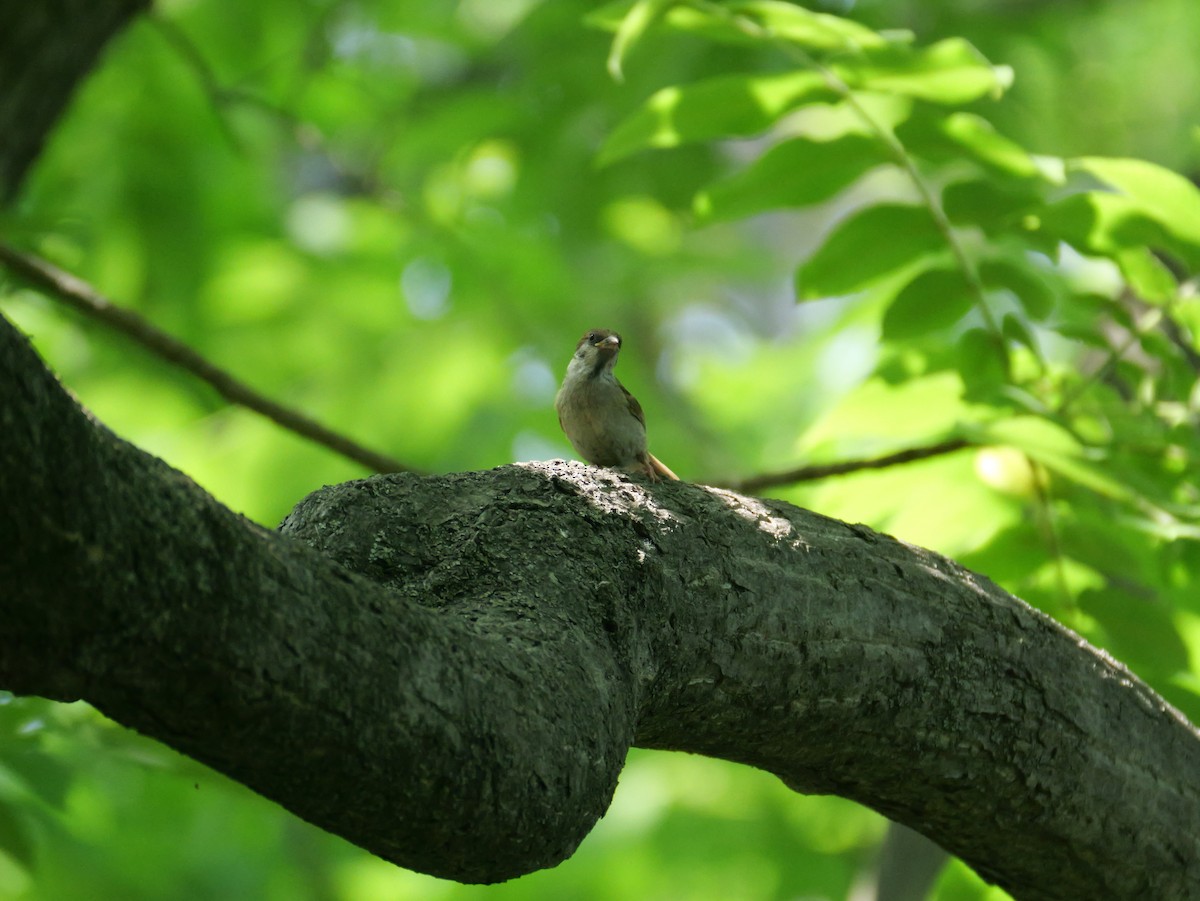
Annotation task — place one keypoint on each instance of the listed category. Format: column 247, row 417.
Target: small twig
column 1137, row 330
column 83, row 297
column 194, row 59
column 308, row 137
column 845, row 467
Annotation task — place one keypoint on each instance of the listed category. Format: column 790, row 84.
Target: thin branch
column 304, row 134
column 78, row 294
column 217, row 95
column 1137, row 331
column 846, row 467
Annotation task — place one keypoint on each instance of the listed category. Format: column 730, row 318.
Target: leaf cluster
column 391, row 216
column 1051, row 300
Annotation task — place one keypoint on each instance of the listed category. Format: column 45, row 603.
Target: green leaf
column 795, row 173
column 982, row 364
column 935, row 299
column 1150, row 207
column 1035, row 435
column 1166, row 197
column 1014, row 329
column 633, row 27
column 868, row 246
column 44, row 774
column 1140, row 630
column 816, row 31
column 950, row 72
column 609, row 16
column 994, row 204
column 1111, row 225
column 759, row 21
column 1057, row 449
column 722, row 107
column 1035, row 291
column 944, row 136
column 1099, row 223
column 979, row 137
column 1147, row 276
column 14, row 837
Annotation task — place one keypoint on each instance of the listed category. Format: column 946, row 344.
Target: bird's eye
column 591, row 336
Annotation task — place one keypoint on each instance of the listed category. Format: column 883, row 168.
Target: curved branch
column 81, row 296
column 379, row 714
column 452, row 681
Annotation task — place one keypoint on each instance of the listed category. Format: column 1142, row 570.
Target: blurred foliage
column 399, row 217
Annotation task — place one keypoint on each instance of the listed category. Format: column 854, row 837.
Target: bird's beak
column 612, row 341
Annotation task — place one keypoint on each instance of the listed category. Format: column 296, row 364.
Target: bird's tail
column 658, row 468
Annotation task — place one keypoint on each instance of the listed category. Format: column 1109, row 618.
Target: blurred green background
column 389, row 215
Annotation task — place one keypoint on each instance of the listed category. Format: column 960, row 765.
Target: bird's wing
column 634, row 407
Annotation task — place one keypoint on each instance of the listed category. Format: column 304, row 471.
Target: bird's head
column 598, row 349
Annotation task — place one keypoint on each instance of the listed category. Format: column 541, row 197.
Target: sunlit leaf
column 609, row 16
column 1147, row 276
column 1166, row 197
column 950, row 72
column 816, row 31
column 935, row 299
column 795, row 173
column 947, row 136
column 1145, row 206
column 979, row 137
column 722, row 107
column 1101, row 223
column 633, row 27
column 1034, row 435
column 758, row 21
column 868, row 246
column 1056, row 448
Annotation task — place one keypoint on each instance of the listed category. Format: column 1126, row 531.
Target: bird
column 602, row 420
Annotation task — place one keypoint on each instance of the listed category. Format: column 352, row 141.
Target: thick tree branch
column 79, row 295
column 453, row 680
column 443, row 738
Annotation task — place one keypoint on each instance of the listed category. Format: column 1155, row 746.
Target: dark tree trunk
column 46, row 48
column 449, row 671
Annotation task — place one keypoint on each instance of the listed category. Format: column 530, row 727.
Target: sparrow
column 602, row 420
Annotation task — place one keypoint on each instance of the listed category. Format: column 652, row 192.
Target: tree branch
column 817, row 471
column 452, row 669
column 81, row 296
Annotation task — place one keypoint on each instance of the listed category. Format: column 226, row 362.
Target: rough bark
column 46, row 48
column 448, row 671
